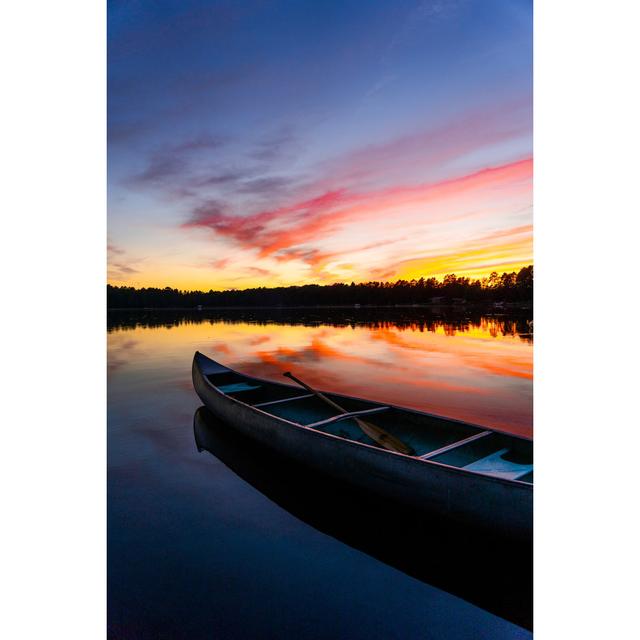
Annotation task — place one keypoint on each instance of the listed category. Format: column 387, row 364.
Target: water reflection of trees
column 509, row 325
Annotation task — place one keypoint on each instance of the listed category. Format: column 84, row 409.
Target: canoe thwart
column 346, row 416
column 455, row 445
column 378, row 435
column 268, row 404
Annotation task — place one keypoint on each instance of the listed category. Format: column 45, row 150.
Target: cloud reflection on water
column 472, row 368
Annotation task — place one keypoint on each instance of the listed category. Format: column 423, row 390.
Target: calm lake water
column 198, row 550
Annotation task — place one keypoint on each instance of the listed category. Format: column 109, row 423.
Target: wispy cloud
column 113, row 250
column 307, row 229
column 258, row 271
column 433, row 150
column 503, row 250
column 174, row 161
column 284, row 233
column 221, row 263
column 275, row 145
column 119, row 266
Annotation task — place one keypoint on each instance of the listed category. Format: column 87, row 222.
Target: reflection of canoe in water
column 483, row 570
column 463, row 472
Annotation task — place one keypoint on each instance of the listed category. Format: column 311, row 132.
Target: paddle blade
column 383, row 438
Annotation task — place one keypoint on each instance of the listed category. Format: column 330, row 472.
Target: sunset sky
column 259, row 143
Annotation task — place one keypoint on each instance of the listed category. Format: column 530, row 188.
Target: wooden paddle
column 377, row 434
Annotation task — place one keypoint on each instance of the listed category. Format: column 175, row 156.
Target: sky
column 267, row 143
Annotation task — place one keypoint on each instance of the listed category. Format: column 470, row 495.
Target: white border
column 52, row 454
column 586, row 143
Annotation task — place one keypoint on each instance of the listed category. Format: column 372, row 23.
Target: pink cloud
column 285, row 231
column 219, row 264
column 429, row 151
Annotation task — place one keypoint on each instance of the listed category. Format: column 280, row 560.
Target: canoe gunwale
column 350, row 443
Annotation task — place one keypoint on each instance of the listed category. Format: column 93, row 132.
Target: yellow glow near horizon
column 474, row 262
column 471, row 226
column 420, row 268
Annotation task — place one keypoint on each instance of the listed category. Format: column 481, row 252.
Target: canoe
column 459, row 471
column 499, row 579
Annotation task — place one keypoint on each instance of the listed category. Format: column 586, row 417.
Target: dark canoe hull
column 499, row 506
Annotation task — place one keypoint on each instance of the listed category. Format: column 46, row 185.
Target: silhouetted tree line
column 508, row 287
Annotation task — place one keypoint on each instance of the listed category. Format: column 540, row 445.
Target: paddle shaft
column 335, row 405
column 376, row 433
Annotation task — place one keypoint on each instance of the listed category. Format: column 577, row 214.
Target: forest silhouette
column 507, row 288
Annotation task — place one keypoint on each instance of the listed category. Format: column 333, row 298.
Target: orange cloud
column 284, row 233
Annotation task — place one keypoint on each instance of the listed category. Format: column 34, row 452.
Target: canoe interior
column 518, row 451
column 491, row 453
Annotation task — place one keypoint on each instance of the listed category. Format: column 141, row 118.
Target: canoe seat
column 238, row 386
column 495, row 465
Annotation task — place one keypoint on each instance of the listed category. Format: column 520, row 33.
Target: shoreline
column 490, row 306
